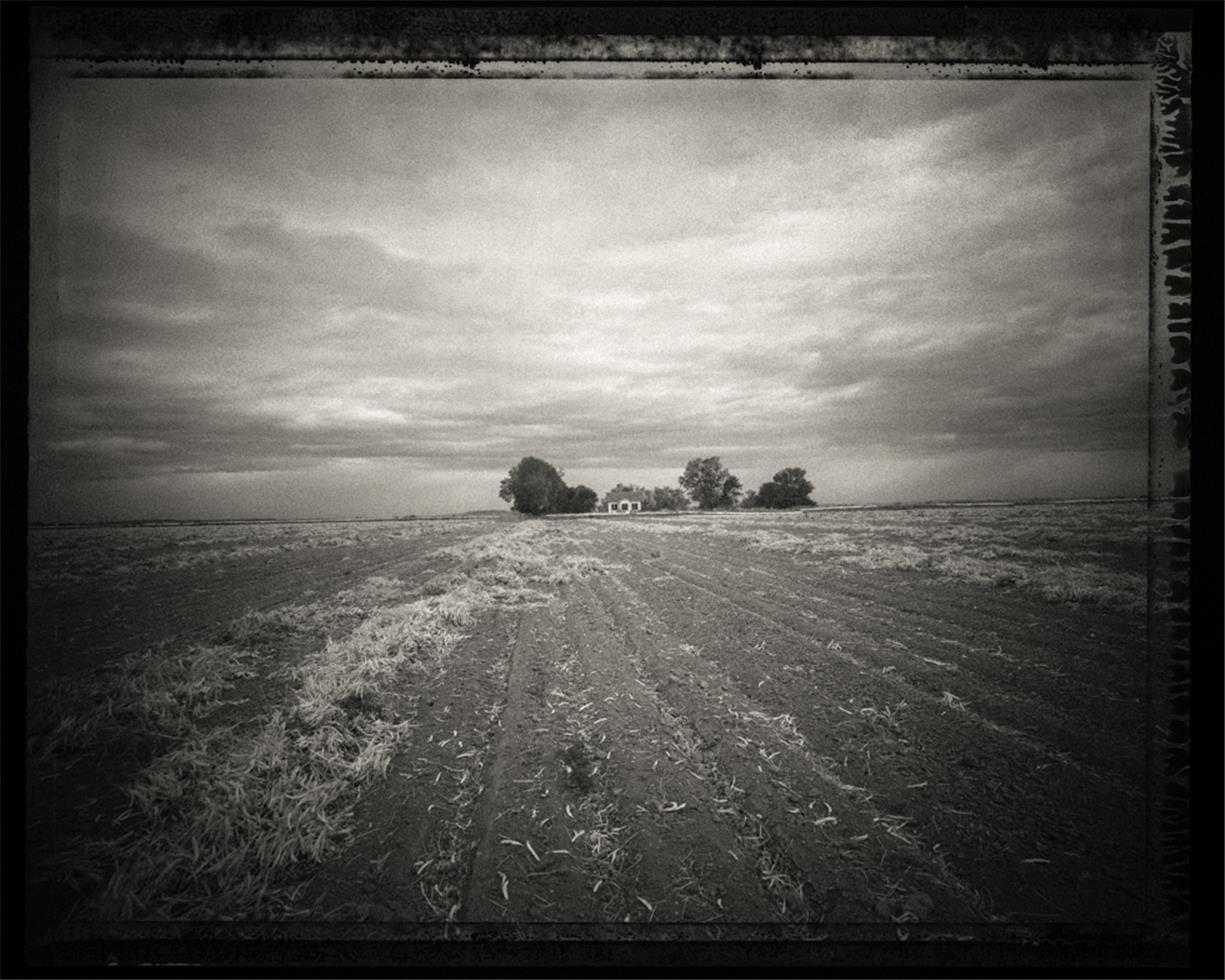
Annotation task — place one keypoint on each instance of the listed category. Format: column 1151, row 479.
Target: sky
column 321, row 298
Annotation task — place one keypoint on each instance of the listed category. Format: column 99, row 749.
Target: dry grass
column 230, row 808
column 783, row 882
column 225, row 812
column 524, row 556
column 452, row 844
column 157, row 691
column 1065, row 553
column 84, row 553
column 152, row 692
column 605, row 859
column 1086, row 583
column 220, row 816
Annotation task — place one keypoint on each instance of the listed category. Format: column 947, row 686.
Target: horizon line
column 510, row 511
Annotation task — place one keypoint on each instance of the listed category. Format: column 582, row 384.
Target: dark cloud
column 393, row 283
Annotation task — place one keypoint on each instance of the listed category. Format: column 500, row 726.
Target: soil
column 717, row 740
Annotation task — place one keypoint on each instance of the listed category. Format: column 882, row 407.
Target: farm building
column 624, row 501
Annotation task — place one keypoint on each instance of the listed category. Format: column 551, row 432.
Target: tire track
column 523, row 869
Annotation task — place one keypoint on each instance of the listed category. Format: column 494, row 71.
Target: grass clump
column 521, row 558
column 151, row 692
column 224, row 813
column 230, row 812
column 1089, row 584
column 166, row 694
column 1066, row 554
column 258, row 628
column 963, row 554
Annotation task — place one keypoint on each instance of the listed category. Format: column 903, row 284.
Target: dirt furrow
column 1000, row 707
column 866, row 656
column 583, row 822
column 684, row 865
column 76, row 792
column 821, row 851
column 294, row 669
column 524, row 868
column 973, row 611
column 411, row 858
column 1094, row 645
column 930, row 763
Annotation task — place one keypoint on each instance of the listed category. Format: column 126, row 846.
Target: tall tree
column 709, row 483
column 533, row 487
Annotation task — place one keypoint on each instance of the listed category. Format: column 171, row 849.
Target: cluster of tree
column 789, row 488
column 709, row 484
column 661, row 498
column 536, row 487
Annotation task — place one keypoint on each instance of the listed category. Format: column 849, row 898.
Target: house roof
column 616, row 496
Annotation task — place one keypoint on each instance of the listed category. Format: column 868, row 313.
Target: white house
column 624, row 501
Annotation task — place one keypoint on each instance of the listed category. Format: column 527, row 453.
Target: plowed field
column 881, row 721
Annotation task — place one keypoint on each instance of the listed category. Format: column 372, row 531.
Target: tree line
column 536, row 487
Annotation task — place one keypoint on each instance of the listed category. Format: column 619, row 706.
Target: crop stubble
column 826, row 722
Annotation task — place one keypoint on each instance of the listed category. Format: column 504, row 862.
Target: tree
column 534, row 487
column 795, row 487
column 769, row 495
column 579, row 500
column 668, row 498
column 709, row 483
column 730, row 491
column 789, row 488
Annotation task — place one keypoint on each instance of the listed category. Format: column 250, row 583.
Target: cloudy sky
column 336, row 298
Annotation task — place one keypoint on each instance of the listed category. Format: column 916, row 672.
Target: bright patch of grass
column 1006, row 547
column 223, row 814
